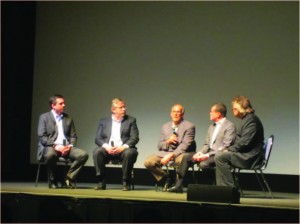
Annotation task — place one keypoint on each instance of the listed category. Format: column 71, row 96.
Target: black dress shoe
column 100, row 186
column 69, row 183
column 175, row 189
column 169, row 183
column 126, row 186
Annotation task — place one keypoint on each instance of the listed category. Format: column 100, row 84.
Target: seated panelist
column 57, row 138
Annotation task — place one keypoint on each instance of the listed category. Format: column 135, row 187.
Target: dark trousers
column 76, row 155
column 188, row 161
column 223, row 169
column 127, row 157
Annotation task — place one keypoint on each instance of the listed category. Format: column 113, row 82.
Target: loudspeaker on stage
column 213, row 193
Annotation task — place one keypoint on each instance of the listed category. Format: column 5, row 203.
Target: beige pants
column 152, row 163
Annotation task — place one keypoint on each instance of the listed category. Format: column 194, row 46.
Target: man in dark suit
column 116, row 138
column 57, row 137
column 220, row 135
column 177, row 137
column 247, row 150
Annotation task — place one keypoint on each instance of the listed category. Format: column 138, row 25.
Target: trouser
column 153, row 164
column 76, row 155
column 188, row 161
column 127, row 157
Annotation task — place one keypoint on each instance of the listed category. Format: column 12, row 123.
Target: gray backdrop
column 155, row 54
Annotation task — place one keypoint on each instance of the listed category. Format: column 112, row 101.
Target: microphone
column 64, row 142
column 112, row 143
column 174, row 130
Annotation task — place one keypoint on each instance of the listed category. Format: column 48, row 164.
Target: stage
column 22, row 202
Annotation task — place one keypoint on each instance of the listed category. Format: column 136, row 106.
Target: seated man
column 116, row 138
column 57, row 137
column 177, row 137
column 220, row 135
column 247, row 150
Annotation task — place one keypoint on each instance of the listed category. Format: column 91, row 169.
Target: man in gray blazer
column 57, row 137
column 177, row 137
column 220, row 135
column 116, row 138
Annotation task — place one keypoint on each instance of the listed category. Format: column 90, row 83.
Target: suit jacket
column 129, row 131
column 186, row 138
column 248, row 146
column 224, row 138
column 48, row 131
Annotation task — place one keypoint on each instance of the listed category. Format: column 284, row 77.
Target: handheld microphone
column 174, row 130
column 112, row 143
column 64, row 142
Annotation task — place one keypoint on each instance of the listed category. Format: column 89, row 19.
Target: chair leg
column 193, row 174
column 235, row 176
column 37, row 175
column 132, row 180
column 260, row 183
column 167, row 170
column 156, row 187
column 198, row 173
column 266, row 183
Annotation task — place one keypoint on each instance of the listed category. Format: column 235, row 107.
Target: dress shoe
column 169, row 183
column 69, row 183
column 100, row 186
column 126, row 186
column 175, row 189
column 53, row 185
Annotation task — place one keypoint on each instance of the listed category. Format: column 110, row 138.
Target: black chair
column 61, row 160
column 117, row 162
column 258, row 169
column 211, row 170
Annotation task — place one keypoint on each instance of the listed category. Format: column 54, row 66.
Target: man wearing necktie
column 57, row 138
column 220, row 135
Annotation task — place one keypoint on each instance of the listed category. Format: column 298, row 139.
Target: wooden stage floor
column 147, row 193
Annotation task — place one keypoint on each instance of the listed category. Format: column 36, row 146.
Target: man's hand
column 172, row 140
column 115, row 150
column 199, row 157
column 64, row 150
column 167, row 158
column 111, row 150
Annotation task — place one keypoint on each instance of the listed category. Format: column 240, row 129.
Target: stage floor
column 147, row 193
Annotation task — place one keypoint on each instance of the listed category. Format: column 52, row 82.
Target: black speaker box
column 213, row 193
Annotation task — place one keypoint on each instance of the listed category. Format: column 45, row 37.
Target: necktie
column 214, row 135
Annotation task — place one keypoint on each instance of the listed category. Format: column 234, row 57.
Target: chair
column 267, row 152
column 117, row 162
column 171, row 164
column 61, row 160
column 175, row 166
column 211, row 169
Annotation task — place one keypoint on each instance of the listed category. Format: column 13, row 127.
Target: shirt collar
column 57, row 116
column 112, row 117
column 176, row 126
column 220, row 121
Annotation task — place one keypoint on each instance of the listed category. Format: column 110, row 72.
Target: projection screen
column 156, row 54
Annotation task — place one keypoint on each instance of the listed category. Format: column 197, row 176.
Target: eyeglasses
column 176, row 111
column 123, row 107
